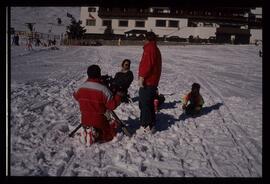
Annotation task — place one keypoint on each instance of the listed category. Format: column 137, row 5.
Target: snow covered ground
column 225, row 141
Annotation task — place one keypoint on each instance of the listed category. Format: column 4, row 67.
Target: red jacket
column 150, row 65
column 94, row 98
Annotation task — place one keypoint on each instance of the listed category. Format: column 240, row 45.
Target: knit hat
column 93, row 71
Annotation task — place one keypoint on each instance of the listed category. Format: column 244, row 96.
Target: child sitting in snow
column 193, row 101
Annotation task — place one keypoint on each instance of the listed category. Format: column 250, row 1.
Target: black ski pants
column 146, row 105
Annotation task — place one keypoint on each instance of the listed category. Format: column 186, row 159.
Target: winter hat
column 93, row 71
column 196, row 85
column 150, row 36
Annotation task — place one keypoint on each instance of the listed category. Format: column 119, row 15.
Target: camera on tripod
column 109, row 82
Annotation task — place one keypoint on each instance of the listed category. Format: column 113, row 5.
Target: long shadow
column 132, row 125
column 205, row 110
column 164, row 121
column 170, row 105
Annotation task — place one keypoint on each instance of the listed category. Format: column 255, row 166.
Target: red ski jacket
column 94, row 98
column 150, row 65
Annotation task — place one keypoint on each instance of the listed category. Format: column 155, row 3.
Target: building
column 225, row 25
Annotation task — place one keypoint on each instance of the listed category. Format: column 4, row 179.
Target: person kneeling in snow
column 194, row 99
column 94, row 99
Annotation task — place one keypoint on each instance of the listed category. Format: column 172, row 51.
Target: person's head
column 150, row 36
column 195, row 88
column 93, row 72
column 126, row 64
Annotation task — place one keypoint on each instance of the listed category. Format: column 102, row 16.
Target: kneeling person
column 95, row 99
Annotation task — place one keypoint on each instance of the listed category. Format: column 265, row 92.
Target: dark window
column 160, row 23
column 123, row 23
column 107, row 23
column 173, row 23
column 139, row 24
column 91, row 9
column 90, row 22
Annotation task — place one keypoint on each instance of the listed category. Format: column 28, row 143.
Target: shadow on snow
column 204, row 111
column 164, row 121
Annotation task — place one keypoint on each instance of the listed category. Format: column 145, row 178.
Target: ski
column 71, row 134
column 121, row 124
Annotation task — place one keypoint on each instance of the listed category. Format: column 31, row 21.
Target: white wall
column 256, row 34
column 91, row 29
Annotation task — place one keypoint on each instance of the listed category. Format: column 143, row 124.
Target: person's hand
column 140, row 82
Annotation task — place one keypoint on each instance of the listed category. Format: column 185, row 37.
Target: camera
column 110, row 83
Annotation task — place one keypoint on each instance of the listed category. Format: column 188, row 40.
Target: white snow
column 226, row 141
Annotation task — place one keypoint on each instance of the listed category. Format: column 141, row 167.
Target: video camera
column 109, row 82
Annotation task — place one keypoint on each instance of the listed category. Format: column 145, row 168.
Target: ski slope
column 225, row 141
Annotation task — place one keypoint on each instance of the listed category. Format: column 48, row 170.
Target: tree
column 75, row 30
column 59, row 21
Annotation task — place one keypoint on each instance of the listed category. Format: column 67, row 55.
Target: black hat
column 196, row 85
column 93, row 71
column 150, row 36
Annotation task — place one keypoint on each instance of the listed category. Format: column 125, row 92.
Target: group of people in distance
column 97, row 99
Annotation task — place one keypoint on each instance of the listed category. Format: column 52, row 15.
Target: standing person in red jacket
column 149, row 75
column 94, row 99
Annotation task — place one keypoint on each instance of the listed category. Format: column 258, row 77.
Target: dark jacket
column 123, row 79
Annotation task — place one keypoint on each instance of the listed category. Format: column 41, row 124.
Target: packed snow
column 224, row 141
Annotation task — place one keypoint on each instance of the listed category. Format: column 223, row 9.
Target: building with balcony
column 227, row 25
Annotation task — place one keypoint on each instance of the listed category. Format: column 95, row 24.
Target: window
column 90, row 22
column 139, row 24
column 160, row 23
column 173, row 23
column 123, row 23
column 107, row 23
column 91, row 9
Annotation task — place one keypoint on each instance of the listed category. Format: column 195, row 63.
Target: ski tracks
column 229, row 123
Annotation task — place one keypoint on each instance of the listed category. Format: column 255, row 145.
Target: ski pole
column 71, row 134
column 123, row 127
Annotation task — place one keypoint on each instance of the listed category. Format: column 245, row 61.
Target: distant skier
column 29, row 44
column 123, row 79
column 94, row 99
column 260, row 53
column 16, row 39
column 193, row 101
